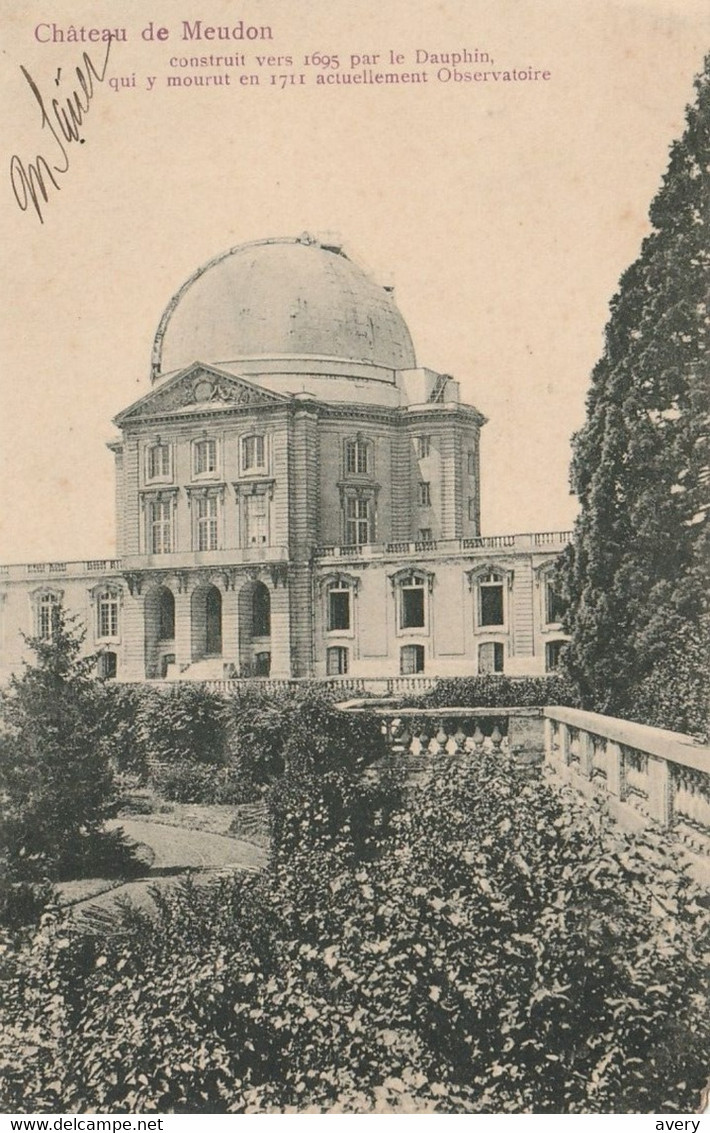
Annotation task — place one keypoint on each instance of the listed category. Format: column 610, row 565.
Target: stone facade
column 296, row 497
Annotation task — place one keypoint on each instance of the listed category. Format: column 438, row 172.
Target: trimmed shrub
column 184, row 724
column 497, row 691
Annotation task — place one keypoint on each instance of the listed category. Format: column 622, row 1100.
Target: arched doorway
column 255, row 630
column 206, row 622
column 159, row 620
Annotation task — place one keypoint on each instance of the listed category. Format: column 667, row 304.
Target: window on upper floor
column 357, row 521
column 471, row 462
column 412, row 602
column 256, row 519
column 254, row 453
column 160, row 526
column 204, row 457
column 338, row 607
column 425, row 535
column 158, row 467
column 472, row 510
column 47, row 615
column 337, row 661
column 423, row 446
column 206, row 513
column 261, row 611
column 411, row 659
column 491, row 657
column 554, row 606
column 424, row 493
column 491, row 605
column 357, row 457
column 107, row 614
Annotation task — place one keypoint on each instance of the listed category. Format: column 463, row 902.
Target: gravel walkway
column 176, row 851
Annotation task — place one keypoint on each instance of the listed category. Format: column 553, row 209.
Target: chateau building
column 296, row 496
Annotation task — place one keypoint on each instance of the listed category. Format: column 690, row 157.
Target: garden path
column 176, row 851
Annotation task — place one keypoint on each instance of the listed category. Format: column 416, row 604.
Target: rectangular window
column 357, row 457
column 425, row 535
column 471, row 462
column 491, row 598
column 160, row 527
column 159, row 462
column 253, row 453
column 204, row 457
column 257, row 520
column 424, row 493
column 411, row 659
column 108, row 615
column 338, row 609
column 423, row 446
column 206, row 525
column 47, row 614
column 412, row 607
column 337, row 661
column 490, row 657
column 357, row 521
column 472, row 510
column 554, row 606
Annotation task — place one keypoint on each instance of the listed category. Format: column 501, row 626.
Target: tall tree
column 636, row 577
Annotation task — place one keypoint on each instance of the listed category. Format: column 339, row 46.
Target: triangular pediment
column 199, row 389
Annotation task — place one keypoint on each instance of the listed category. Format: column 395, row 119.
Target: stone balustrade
column 644, row 775
column 528, row 541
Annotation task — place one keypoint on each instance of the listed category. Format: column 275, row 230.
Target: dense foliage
column 637, row 575
column 482, row 946
column 496, row 691
column 56, row 786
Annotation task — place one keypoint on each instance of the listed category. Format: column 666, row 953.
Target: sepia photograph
column 354, row 567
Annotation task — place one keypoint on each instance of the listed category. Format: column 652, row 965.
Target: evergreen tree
column 636, row 577
column 55, row 783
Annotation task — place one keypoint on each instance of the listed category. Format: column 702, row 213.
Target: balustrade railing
column 644, row 774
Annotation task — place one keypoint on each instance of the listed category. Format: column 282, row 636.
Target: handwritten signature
column 31, row 182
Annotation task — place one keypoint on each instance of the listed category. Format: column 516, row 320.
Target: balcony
column 184, row 560
column 528, row 541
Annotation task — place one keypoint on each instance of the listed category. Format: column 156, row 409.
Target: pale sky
column 504, row 214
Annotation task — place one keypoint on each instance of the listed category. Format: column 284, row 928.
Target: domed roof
column 281, row 298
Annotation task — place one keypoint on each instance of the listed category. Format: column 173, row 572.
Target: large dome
column 281, row 299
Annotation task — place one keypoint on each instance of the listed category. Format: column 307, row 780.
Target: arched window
column 107, row 614
column 261, row 611
column 158, row 463
column 166, row 615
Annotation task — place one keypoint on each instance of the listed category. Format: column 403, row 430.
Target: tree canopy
column 636, row 576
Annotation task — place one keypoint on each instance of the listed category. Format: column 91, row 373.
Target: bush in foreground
column 493, row 949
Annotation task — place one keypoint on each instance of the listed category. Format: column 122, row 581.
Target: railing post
column 614, row 769
column 550, row 753
column 660, row 801
column 563, row 732
column 585, row 754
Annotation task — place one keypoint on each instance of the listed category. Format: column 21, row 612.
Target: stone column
column 614, row 770
column 280, row 632
column 133, row 637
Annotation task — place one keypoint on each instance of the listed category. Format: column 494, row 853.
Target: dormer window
column 357, row 457
column 158, row 467
column 254, row 453
column 204, row 457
